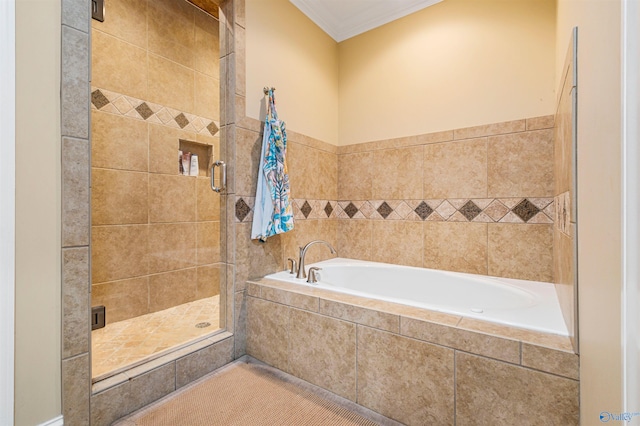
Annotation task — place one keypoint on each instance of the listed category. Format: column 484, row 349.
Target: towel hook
column 266, row 90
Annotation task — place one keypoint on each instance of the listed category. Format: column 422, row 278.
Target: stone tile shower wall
column 155, row 81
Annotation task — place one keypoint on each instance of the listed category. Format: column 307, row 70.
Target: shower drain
column 203, row 324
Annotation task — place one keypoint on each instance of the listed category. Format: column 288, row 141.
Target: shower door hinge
column 97, row 10
column 98, row 317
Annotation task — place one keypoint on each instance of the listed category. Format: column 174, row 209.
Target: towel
column 273, row 213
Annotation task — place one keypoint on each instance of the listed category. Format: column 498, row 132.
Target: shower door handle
column 223, row 176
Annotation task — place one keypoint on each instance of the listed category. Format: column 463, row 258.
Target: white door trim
column 631, row 204
column 7, row 207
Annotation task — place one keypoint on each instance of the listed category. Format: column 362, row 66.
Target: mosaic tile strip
column 498, row 210
column 116, row 103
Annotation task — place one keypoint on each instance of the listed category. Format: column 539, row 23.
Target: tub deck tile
column 322, row 351
column 370, row 317
column 490, row 392
column 405, row 379
column 296, row 300
column 268, row 332
column 464, row 340
column 254, row 289
column 565, row 364
column 552, row 341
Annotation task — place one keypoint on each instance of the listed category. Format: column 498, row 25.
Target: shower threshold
column 125, row 344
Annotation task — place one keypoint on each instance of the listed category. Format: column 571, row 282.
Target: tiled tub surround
column 477, row 200
column 155, row 234
column 415, row 366
column 313, row 180
column 503, row 210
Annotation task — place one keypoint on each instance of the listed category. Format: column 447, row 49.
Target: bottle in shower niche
column 180, row 168
column 186, row 163
column 194, row 169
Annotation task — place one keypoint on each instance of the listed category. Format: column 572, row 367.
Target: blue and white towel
column 272, row 213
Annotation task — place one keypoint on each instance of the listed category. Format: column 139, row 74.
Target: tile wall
column 564, row 230
column 476, row 200
column 101, row 403
column 313, row 167
column 155, row 81
column 415, row 366
column 75, row 367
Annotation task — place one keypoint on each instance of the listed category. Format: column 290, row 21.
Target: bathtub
column 525, row 304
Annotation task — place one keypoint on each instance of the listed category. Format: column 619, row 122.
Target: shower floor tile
column 125, row 343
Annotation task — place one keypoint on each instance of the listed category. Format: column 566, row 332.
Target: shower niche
column 202, row 151
column 156, row 235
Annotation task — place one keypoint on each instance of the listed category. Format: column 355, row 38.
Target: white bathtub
column 525, row 304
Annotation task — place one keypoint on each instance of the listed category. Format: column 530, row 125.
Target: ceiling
column 343, row 19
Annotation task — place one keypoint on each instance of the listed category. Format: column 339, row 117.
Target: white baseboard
column 58, row 421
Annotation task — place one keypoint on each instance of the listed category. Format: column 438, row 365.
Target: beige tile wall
column 155, row 234
column 564, row 237
column 414, row 366
column 313, row 171
column 105, row 401
column 486, row 195
column 495, row 166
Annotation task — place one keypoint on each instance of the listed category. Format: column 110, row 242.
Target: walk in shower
column 156, row 233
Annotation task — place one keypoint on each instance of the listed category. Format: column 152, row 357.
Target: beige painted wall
column 456, row 64
column 459, row 63
column 599, row 197
column 286, row 50
column 38, row 177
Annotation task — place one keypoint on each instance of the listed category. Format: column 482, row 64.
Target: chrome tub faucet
column 303, row 252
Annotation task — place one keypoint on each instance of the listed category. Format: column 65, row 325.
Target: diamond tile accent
column 117, row 103
column 164, row 116
column 384, row 209
column 328, row 209
column 367, row 210
column 470, row 210
column 306, row 209
column 123, row 105
column 403, row 210
column 144, row 110
column 212, row 128
column 526, row 210
column 242, row 209
column 351, row 210
column 496, row 210
column 540, row 218
column 181, row 120
column 423, row 210
column 446, row 209
column 198, row 124
column 99, row 99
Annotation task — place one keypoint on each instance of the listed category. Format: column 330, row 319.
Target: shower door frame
column 105, row 401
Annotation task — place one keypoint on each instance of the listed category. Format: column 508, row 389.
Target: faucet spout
column 303, row 252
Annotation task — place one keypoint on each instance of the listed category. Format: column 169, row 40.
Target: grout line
column 356, row 362
column 455, row 385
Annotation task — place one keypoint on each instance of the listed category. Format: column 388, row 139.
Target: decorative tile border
column 480, row 210
column 116, row 103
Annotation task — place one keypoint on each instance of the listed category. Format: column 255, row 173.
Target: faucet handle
column 294, row 266
column 313, row 275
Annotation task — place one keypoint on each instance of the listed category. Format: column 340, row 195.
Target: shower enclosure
column 156, row 235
